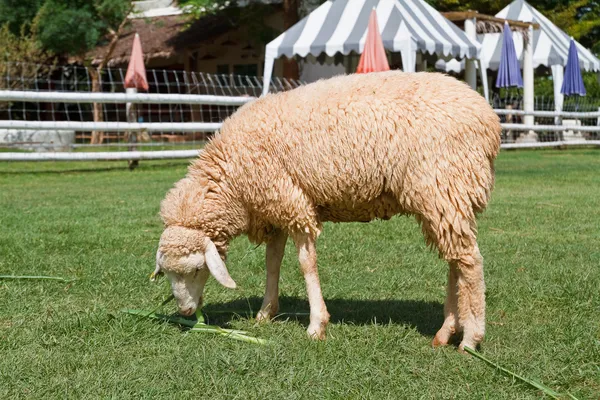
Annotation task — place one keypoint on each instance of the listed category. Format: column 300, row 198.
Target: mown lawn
column 98, row 223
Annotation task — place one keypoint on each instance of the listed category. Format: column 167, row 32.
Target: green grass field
column 98, row 223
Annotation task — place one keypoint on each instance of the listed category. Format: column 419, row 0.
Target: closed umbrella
column 573, row 82
column 135, row 79
column 509, row 72
column 136, row 71
column 373, row 57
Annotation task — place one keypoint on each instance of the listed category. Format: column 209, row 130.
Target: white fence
column 180, row 109
column 527, row 136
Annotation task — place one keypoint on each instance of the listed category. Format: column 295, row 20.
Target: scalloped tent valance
column 340, row 26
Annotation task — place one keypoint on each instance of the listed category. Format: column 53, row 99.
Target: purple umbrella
column 509, row 73
column 573, row 82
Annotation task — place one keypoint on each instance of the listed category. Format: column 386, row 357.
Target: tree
column 19, row 15
column 66, row 28
column 74, row 27
column 20, row 56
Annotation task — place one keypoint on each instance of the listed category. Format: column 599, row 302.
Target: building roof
column 163, row 36
column 166, row 29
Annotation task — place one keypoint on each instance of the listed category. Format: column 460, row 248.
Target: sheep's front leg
column 319, row 317
column 274, row 255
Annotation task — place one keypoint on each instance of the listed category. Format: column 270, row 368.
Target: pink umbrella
column 136, row 72
column 373, row 58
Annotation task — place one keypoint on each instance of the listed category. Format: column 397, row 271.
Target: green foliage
column 19, row 54
column 544, row 86
column 65, row 27
column 112, row 12
column 68, row 29
column 18, row 13
column 73, row 27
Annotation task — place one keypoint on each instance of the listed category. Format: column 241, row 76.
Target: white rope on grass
column 117, row 98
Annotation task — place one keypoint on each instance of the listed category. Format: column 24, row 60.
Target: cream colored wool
column 351, row 148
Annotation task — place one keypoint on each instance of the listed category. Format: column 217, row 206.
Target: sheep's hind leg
column 471, row 298
column 450, row 326
column 319, row 317
column 274, row 256
column 465, row 305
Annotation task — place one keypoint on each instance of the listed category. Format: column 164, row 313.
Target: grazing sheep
column 351, row 148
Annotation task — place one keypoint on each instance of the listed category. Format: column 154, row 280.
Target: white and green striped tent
column 340, row 26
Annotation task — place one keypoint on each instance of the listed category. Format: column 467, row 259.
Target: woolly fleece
column 351, row 148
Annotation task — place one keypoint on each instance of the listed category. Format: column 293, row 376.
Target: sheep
column 350, row 148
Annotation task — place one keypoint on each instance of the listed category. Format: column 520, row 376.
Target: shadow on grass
column 426, row 316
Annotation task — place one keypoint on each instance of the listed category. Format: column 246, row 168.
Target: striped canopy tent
column 340, row 26
column 550, row 47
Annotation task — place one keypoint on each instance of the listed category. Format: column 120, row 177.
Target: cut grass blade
column 37, row 277
column 196, row 326
column 173, row 319
column 550, row 392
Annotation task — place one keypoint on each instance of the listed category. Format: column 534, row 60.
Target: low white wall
column 312, row 71
column 38, row 140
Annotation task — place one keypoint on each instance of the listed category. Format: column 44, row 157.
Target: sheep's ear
column 157, row 272
column 217, row 267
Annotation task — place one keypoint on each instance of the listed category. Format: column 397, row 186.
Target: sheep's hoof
column 437, row 342
column 461, row 349
column 264, row 316
column 442, row 337
column 316, row 332
column 267, row 312
column 463, row 344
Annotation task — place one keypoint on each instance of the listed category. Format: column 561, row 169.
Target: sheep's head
column 187, row 257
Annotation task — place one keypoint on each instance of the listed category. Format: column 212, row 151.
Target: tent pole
column 267, row 73
column 470, row 70
column 557, row 79
column 408, row 57
column 528, row 84
column 484, row 80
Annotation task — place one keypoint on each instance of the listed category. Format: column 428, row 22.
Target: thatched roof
column 163, row 36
